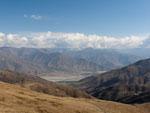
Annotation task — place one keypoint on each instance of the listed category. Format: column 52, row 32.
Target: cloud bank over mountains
column 71, row 40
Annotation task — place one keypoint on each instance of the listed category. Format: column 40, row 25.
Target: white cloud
column 71, row 40
column 34, row 17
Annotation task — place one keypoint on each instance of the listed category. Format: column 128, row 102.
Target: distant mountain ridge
column 130, row 84
column 107, row 58
column 36, row 60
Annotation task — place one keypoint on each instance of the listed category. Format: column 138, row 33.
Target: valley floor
column 15, row 99
column 66, row 76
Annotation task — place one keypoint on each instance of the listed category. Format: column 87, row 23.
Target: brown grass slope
column 40, row 85
column 15, row 99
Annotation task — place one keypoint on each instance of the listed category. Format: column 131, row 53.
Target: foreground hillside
column 15, row 99
column 130, row 84
column 40, row 85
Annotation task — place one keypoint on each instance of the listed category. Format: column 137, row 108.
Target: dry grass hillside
column 37, row 84
column 16, row 99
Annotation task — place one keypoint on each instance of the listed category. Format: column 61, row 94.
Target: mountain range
column 36, row 61
column 130, row 84
column 22, row 91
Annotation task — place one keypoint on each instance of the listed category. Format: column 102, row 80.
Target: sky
column 117, row 20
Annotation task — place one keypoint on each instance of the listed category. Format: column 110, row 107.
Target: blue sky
column 102, row 17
